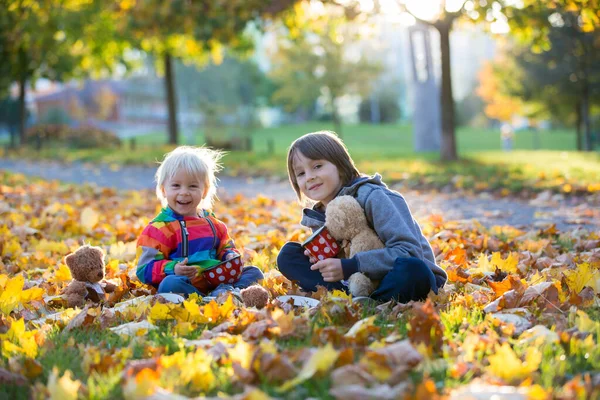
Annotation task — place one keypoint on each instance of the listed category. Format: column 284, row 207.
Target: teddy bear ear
column 69, row 259
column 99, row 252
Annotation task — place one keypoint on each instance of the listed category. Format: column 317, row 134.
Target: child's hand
column 181, row 268
column 310, row 257
column 330, row 269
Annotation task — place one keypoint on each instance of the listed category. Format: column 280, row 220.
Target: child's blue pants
column 409, row 279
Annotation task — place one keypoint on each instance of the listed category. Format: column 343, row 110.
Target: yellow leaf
column 257, row 394
column 193, row 310
column 585, row 323
column 10, row 298
column 536, row 392
column 64, row 388
column 242, row 353
column 321, row 361
column 584, row 275
column 89, row 219
column 3, row 280
column 159, row 311
column 144, row 384
column 506, row 365
column 123, row 251
column 34, row 293
column 285, row 322
column 11, row 248
column 507, row 265
column 226, row 308
column 341, row 295
column 62, row 274
column 212, row 312
column 360, row 326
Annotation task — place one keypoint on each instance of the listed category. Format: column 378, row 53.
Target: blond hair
column 200, row 162
column 322, row 145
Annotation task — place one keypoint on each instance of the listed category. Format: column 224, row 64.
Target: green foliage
column 313, row 61
column 469, row 109
column 553, row 81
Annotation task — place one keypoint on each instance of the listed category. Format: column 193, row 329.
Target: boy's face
column 319, row 180
column 184, row 192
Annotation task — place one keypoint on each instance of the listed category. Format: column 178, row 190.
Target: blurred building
column 127, row 107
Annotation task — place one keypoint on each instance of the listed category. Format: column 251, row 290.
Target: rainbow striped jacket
column 163, row 243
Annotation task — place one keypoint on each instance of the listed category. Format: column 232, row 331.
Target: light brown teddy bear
column 87, row 269
column 347, row 223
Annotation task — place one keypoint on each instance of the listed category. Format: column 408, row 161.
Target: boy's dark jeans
column 410, row 278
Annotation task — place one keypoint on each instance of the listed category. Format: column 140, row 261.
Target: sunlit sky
column 430, row 9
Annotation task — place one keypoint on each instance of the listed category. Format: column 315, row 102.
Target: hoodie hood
column 314, row 217
column 353, row 187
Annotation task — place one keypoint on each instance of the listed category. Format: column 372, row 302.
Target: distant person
column 507, row 135
column 320, row 169
column 185, row 234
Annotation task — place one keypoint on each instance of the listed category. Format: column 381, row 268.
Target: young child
column 320, row 168
column 185, row 234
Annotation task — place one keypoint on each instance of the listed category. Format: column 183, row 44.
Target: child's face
column 319, row 180
column 184, row 192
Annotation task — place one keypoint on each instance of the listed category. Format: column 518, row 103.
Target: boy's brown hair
column 322, row 145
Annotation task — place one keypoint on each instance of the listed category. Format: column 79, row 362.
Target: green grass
column 386, row 140
column 388, row 149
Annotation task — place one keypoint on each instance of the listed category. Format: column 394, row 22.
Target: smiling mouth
column 315, row 186
column 184, row 203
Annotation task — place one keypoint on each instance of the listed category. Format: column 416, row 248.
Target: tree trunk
column 22, row 87
column 171, row 100
column 585, row 117
column 22, row 111
column 337, row 124
column 578, row 126
column 448, row 149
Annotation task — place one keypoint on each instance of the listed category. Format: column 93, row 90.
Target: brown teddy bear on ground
column 347, row 223
column 255, row 296
column 87, row 269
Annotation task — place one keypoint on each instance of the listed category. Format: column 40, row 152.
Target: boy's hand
column 181, row 268
column 310, row 257
column 330, row 269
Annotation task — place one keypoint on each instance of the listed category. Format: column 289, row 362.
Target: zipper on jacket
column 184, row 239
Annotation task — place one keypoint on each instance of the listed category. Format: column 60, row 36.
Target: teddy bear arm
column 76, row 287
column 75, row 294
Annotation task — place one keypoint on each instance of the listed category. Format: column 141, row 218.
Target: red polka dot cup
column 228, row 271
column 321, row 244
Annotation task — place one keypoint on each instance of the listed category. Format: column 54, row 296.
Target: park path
column 539, row 212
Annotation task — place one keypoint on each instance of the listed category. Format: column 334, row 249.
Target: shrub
column 81, row 137
column 86, row 136
column 46, row 133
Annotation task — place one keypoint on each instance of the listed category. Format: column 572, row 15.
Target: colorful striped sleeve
column 154, row 264
column 226, row 244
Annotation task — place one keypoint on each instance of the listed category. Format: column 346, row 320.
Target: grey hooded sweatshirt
column 388, row 214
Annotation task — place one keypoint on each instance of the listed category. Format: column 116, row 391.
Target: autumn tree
column 499, row 104
column 54, row 39
column 194, row 32
column 559, row 63
column 323, row 56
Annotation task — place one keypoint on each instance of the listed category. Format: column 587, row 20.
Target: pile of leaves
column 519, row 315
